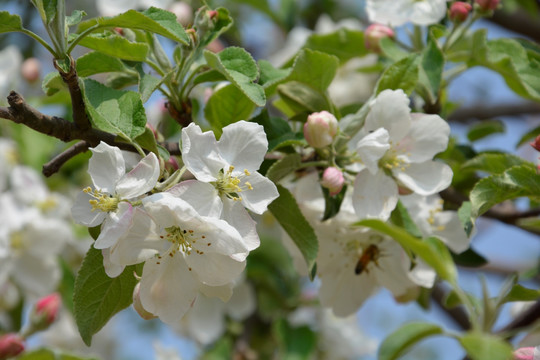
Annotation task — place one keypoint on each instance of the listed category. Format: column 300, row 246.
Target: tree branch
column 519, row 21
column 56, row 163
column 526, row 318
column 493, row 111
column 22, row 113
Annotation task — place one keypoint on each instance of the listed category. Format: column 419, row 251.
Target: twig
column 77, row 103
column 528, row 317
column 520, row 21
column 56, row 163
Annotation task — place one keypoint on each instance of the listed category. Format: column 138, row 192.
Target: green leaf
column 96, row 62
column 278, row 131
column 400, row 217
column 529, row 136
column 226, row 106
column 466, row 217
column 284, row 167
column 431, row 250
column 46, row 354
column 221, row 23
column 397, row 343
column 117, row 46
column 530, row 223
column 296, row 343
column 286, row 211
column 270, row 76
column 53, row 83
column 392, row 50
column 485, row 128
column 400, row 75
column 518, row 181
column 301, row 97
column 97, row 297
column 155, row 20
column 209, row 76
column 148, row 83
column 481, row 346
column 115, row 111
column 237, row 65
column 469, row 258
column 9, row 22
column 521, row 293
column 494, row 163
column 314, row 68
column 332, row 204
column 147, row 141
column 343, row 43
column 433, row 66
column 75, row 17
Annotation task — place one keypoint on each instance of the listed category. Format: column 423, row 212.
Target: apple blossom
column 459, row 11
column 395, row 149
column 333, row 180
column 11, row 345
column 527, row 353
column 374, row 34
column 46, row 310
column 320, row 129
column 399, row 12
column 486, row 5
column 108, row 202
column 231, row 163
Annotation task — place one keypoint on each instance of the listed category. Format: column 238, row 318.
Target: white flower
column 231, row 163
column 10, row 65
column 113, row 188
column 399, row 12
column 428, row 214
column 184, row 252
column 112, row 8
column 8, row 159
column 397, row 148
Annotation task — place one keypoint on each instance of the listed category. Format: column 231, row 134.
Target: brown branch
column 22, row 113
column 77, row 103
column 520, row 22
column 468, row 114
column 56, row 163
column 526, row 318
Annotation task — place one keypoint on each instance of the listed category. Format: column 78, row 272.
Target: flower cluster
column 193, row 237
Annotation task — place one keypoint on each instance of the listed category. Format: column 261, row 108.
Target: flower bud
column 527, row 353
column 373, row 35
column 333, row 180
column 11, row 345
column 31, row 70
column 459, row 11
column 486, row 5
column 45, row 311
column 320, row 129
column 183, row 12
column 137, row 304
column 536, row 143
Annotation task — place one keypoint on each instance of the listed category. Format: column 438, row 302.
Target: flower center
column 48, row 204
column 231, row 186
column 16, row 241
column 102, row 202
column 182, row 240
column 391, row 161
column 431, row 218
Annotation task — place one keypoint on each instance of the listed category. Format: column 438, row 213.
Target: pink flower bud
column 320, row 129
column 10, row 345
column 46, row 310
column 373, row 35
column 536, row 143
column 527, row 353
column 459, row 11
column 31, row 70
column 183, row 12
column 333, row 180
column 137, row 304
column 486, row 5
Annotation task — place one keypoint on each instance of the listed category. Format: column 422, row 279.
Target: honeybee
column 371, row 253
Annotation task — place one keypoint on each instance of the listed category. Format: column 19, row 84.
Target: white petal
column 214, row 269
column 235, row 214
column 428, row 12
column 28, row 185
column 390, row 110
column 169, row 209
column 423, row 274
column 243, row 144
column 115, row 226
column 223, row 292
column 111, row 269
column 200, row 153
column 106, row 167
column 43, row 237
column 168, row 288
column 425, row 178
column 263, row 193
column 393, row 269
column 449, row 229
column 374, row 196
column 372, row 147
column 206, row 320
column 38, row 276
column 243, row 302
column 141, row 179
column 202, row 196
column 427, row 137
column 82, row 211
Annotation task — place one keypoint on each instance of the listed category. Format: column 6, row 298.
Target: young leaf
column 315, row 69
column 286, row 211
column 116, row 46
column 96, row 62
column 97, row 297
column 485, row 128
column 53, row 83
column 494, row 163
column 433, row 66
column 155, row 20
column 296, row 343
column 301, row 98
column 226, row 106
column 46, row 354
column 397, row 343
column 115, row 111
column 284, row 167
column 237, row 65
column 517, row 181
column 270, row 76
column 9, row 22
column 400, row 75
column 343, row 43
column 521, row 293
column 481, row 346
column 466, row 217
